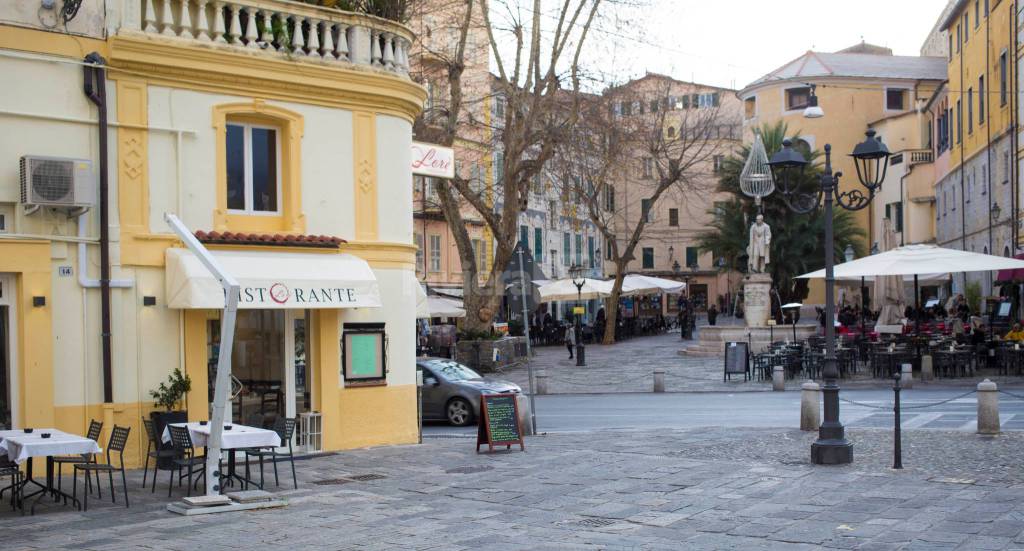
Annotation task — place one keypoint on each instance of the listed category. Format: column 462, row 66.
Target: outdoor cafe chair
column 117, row 442
column 10, row 469
column 95, row 429
column 153, row 450
column 284, row 428
column 181, row 440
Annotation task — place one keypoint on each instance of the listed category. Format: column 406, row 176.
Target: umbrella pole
column 917, row 307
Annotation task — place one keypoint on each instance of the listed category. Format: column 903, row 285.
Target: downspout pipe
column 95, row 88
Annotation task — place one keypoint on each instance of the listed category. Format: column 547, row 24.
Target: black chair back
column 95, row 429
column 285, row 428
column 181, row 440
column 117, row 443
column 150, row 431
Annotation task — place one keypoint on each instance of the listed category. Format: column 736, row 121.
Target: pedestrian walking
column 570, row 338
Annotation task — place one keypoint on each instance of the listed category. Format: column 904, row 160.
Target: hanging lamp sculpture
column 756, row 178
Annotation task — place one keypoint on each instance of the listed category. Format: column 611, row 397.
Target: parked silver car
column 451, row 391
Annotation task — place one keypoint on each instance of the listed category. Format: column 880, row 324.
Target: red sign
column 433, row 160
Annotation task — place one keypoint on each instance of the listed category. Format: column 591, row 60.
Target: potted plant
column 167, row 396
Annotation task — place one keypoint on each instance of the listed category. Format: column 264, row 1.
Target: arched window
column 671, row 132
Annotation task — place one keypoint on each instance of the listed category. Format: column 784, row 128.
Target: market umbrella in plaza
column 565, row 290
column 436, row 307
column 635, row 284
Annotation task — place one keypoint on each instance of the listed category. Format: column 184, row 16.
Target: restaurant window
column 648, row 258
column 435, row 253
column 691, row 257
column 566, row 248
column 673, row 217
column 797, row 98
column 895, row 99
column 253, row 175
column 538, row 244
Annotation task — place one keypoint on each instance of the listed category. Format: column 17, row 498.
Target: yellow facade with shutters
column 342, row 123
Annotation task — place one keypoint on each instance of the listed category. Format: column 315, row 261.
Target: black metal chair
column 117, row 442
column 153, row 450
column 10, row 469
column 181, row 440
column 284, row 428
column 95, row 430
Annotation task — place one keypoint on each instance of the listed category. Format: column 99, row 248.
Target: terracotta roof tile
column 277, row 239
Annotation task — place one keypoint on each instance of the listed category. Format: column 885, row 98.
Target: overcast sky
column 733, row 42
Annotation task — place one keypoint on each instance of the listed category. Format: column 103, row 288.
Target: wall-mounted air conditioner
column 57, row 182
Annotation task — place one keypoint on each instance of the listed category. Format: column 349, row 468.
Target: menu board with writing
column 736, row 360
column 499, row 422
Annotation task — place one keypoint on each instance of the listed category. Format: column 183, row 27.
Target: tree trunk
column 612, row 313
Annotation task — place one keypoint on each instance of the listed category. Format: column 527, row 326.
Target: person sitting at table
column 1015, row 334
column 978, row 335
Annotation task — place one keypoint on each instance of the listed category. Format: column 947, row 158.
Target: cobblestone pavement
column 628, row 366
column 693, row 489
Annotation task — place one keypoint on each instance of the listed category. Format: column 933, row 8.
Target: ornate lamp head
column 871, row 158
column 787, row 165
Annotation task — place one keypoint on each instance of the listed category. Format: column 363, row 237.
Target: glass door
column 8, row 373
column 258, row 365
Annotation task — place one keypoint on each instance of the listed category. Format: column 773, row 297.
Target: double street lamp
column 871, row 159
column 578, row 274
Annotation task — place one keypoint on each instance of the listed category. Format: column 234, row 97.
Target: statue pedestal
column 757, row 300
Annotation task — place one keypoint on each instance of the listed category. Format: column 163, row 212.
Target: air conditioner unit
column 57, row 182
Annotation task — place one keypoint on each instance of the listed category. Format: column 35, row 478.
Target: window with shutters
column 648, row 258
column 691, row 257
column 673, row 217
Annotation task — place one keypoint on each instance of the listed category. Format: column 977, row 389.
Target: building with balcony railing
column 279, row 132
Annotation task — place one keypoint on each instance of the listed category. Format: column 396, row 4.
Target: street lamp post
column 577, row 273
column 871, row 160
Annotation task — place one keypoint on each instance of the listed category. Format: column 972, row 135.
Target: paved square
column 686, row 489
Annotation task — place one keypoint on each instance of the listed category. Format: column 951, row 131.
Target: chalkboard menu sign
column 737, row 360
column 499, row 422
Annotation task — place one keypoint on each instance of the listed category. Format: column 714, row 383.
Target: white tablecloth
column 240, row 436
column 19, row 446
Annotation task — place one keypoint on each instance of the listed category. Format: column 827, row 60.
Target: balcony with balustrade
column 275, row 29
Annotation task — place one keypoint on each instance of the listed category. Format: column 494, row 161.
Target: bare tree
column 535, row 49
column 655, row 137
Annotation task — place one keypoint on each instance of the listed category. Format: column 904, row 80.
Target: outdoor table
column 20, row 446
column 1010, row 357
column 239, row 437
column 890, row 358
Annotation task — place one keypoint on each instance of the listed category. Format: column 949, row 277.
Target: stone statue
column 759, row 248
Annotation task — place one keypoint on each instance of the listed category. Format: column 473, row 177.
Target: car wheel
column 459, row 412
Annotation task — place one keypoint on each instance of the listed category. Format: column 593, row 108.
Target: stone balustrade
column 282, row 28
column 924, row 156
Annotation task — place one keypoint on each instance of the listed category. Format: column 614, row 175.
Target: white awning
column 273, row 280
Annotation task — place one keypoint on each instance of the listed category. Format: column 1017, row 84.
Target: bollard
column 988, row 407
column 907, row 376
column 927, row 371
column 897, row 439
column 542, row 383
column 659, row 380
column 778, row 378
column 810, row 406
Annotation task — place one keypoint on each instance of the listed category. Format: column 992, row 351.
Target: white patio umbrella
column 436, row 307
column 565, row 290
column 918, row 260
column 636, row 284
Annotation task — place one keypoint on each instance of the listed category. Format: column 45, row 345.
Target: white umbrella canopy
column 441, row 307
column 565, row 289
column 635, row 284
column 919, row 260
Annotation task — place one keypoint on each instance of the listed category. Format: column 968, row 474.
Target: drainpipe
column 96, row 90
column 83, row 264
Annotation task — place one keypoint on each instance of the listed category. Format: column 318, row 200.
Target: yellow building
column 280, row 133
column 855, row 87
column 977, row 199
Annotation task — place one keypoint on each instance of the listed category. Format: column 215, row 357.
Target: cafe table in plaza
column 23, row 445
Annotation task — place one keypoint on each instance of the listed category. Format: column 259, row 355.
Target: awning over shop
column 273, row 280
column 1011, row 276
